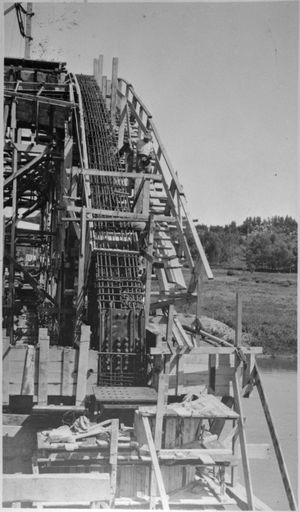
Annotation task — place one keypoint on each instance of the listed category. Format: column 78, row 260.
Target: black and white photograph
column 149, row 259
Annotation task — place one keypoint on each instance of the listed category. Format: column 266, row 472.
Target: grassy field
column 269, row 306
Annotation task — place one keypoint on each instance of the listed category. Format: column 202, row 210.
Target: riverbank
column 269, row 307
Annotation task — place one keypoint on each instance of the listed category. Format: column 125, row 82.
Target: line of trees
column 257, row 244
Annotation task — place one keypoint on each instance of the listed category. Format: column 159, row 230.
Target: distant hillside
column 257, row 244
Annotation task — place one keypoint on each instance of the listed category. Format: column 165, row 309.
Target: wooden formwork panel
column 134, row 480
column 62, row 370
column 47, row 487
column 221, row 373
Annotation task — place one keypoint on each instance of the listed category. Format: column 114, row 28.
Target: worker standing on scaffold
column 145, row 152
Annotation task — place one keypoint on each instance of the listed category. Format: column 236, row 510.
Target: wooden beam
column 5, row 118
column 100, row 71
column 81, row 258
column 199, row 303
column 95, row 68
column 68, row 367
column 137, row 194
column 114, row 85
column 275, row 440
column 82, row 364
column 149, row 269
column 242, row 437
column 123, row 111
column 113, row 460
column 28, row 37
column 155, row 463
column 120, row 174
column 39, row 99
column 43, row 366
column 64, row 487
column 9, row 9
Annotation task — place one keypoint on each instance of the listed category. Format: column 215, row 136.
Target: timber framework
column 96, row 267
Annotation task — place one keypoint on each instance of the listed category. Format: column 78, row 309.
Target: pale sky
column 220, row 80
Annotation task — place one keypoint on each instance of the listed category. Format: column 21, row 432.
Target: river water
column 279, row 379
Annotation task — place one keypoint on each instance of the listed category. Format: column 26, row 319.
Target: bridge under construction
column 97, row 266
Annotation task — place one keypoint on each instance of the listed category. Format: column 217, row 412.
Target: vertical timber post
column 28, row 38
column 114, row 85
column 43, row 366
column 83, row 360
column 237, row 343
column 95, row 68
column 162, row 401
column 104, row 88
column 99, row 71
column 149, row 268
column 239, row 409
column 13, row 223
column 5, row 367
column 123, row 112
column 238, row 330
column 199, row 303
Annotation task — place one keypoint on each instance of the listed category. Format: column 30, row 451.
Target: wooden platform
column 206, row 406
column 121, row 395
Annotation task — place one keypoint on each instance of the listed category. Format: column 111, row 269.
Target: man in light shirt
column 145, row 153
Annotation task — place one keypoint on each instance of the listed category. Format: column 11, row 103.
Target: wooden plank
column 214, row 454
column 92, row 374
column 68, row 369
column 275, row 441
column 209, row 349
column 157, row 471
column 177, row 336
column 43, row 366
column 49, row 487
column 242, row 437
column 83, row 364
column 28, row 374
column 184, row 335
column 121, row 174
column 113, row 460
column 56, row 354
column 6, row 350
